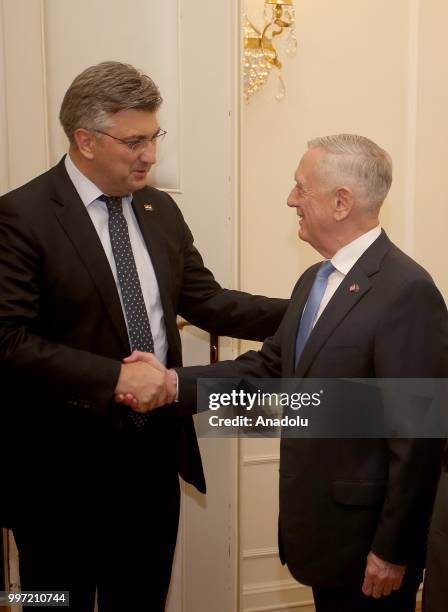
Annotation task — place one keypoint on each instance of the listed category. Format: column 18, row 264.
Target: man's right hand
column 147, row 385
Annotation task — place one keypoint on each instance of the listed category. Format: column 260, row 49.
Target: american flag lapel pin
column 354, row 288
column 148, row 207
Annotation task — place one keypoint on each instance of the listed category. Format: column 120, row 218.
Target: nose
column 148, row 154
column 292, row 200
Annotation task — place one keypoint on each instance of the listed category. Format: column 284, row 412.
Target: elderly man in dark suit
column 353, row 512
column 93, row 264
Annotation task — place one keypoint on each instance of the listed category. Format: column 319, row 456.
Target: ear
column 343, row 203
column 86, row 142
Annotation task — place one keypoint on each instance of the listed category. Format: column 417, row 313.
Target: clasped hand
column 144, row 383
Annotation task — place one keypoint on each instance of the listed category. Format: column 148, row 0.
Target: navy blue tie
column 312, row 307
column 139, row 329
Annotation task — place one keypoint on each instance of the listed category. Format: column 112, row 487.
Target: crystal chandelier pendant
column 261, row 48
column 267, row 13
column 288, row 14
column 281, row 88
column 291, row 43
column 256, row 68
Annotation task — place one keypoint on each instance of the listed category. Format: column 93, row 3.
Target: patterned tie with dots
column 139, row 329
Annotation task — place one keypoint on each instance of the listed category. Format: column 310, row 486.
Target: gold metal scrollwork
column 260, row 54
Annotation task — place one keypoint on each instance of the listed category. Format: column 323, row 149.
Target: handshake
column 144, row 383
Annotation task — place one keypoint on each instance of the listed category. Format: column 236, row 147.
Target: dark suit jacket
column 63, row 335
column 435, row 592
column 339, row 499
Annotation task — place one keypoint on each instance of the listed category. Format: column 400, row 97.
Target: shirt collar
column 346, row 257
column 87, row 190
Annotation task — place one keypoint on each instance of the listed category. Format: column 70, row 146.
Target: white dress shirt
column 97, row 209
column 343, row 261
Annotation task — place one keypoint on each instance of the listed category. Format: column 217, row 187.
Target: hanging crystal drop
column 266, row 15
column 281, row 88
column 291, row 43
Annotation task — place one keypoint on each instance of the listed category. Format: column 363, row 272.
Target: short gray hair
column 358, row 160
column 102, row 90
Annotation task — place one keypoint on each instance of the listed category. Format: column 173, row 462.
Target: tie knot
column 325, row 269
column 113, row 203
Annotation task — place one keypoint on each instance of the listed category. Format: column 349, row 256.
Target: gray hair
column 102, row 90
column 360, row 162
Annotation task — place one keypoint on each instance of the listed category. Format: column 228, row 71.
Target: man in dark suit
column 94, row 263
column 353, row 512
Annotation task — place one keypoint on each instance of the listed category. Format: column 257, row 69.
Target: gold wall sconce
column 260, row 54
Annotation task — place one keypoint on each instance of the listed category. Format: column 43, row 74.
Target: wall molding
column 45, row 117
column 410, row 156
column 261, row 459
column 260, row 553
column 294, row 605
column 276, row 586
column 4, row 143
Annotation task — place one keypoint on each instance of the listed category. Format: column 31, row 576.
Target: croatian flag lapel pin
column 354, row 288
column 148, row 207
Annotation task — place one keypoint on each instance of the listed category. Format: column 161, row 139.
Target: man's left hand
column 381, row 577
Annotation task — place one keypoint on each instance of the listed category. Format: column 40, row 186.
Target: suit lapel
column 336, row 310
column 149, row 222
column 352, row 289
column 76, row 222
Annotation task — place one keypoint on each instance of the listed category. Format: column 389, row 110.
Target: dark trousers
column 119, row 540
column 346, row 599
